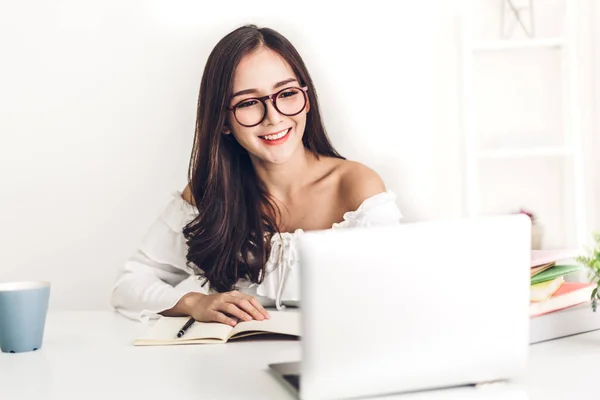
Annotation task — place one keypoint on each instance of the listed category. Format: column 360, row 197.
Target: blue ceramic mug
column 23, row 309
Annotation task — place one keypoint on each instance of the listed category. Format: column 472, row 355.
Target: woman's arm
column 156, row 276
column 147, row 287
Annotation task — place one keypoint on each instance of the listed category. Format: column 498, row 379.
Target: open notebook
column 164, row 330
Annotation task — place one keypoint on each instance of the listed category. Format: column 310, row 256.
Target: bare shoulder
column 357, row 183
column 187, row 195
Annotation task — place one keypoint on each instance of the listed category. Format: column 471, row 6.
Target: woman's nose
column 273, row 116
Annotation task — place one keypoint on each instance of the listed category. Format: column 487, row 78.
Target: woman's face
column 277, row 137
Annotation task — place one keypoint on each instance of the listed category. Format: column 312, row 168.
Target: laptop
column 412, row 307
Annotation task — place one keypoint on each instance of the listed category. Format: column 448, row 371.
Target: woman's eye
column 247, row 104
column 288, row 94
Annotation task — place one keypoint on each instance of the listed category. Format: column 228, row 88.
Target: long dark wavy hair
column 230, row 238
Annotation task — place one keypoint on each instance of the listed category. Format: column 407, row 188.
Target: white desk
column 89, row 355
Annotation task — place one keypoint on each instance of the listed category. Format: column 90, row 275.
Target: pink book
column 569, row 294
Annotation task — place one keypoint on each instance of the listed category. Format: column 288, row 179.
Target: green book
column 554, row 272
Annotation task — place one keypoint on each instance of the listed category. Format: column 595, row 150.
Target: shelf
column 524, row 153
column 525, row 175
column 509, row 44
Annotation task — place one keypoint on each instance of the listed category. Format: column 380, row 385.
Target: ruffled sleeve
column 377, row 210
column 156, row 275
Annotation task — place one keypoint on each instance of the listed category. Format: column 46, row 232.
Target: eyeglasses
column 251, row 112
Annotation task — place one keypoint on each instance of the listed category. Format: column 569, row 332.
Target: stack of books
column 558, row 307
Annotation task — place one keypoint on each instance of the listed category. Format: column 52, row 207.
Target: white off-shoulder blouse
column 156, row 276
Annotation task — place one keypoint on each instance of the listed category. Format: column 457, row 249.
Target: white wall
column 98, row 110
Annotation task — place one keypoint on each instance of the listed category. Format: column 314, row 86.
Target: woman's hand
column 226, row 308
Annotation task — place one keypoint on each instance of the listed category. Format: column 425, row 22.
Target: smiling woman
column 262, row 171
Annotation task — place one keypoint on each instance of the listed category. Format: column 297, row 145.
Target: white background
column 97, row 114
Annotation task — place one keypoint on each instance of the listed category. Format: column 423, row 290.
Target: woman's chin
column 276, row 159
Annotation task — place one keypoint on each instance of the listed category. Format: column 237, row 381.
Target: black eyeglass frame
column 273, row 98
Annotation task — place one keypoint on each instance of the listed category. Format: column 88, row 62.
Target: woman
column 262, row 171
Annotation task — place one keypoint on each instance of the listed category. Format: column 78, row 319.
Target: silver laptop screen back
column 414, row 306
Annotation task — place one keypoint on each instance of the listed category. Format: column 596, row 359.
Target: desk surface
column 90, row 354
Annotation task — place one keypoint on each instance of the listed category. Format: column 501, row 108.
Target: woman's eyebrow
column 277, row 85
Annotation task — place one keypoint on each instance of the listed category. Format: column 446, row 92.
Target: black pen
column 185, row 327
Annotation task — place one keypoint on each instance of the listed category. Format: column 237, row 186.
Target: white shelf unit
column 571, row 149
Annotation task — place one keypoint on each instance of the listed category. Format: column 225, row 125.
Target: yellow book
column 544, row 290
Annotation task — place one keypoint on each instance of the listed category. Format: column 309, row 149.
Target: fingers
column 259, row 307
column 245, row 305
column 235, row 311
column 230, row 308
column 252, row 307
column 222, row 318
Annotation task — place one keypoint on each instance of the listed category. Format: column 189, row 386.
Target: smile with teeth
column 276, row 136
